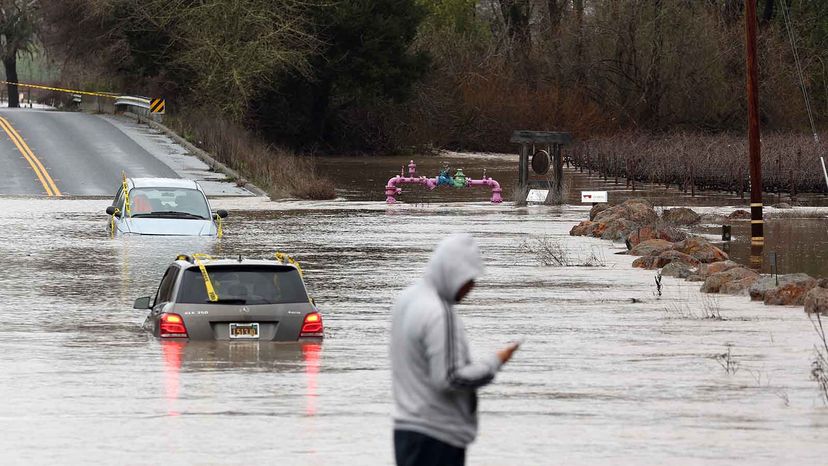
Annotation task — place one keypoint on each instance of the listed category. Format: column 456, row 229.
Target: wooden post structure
column 757, row 236
column 552, row 143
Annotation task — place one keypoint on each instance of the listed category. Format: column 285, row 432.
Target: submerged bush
column 278, row 171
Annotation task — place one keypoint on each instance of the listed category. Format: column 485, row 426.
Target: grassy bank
column 696, row 161
column 278, row 171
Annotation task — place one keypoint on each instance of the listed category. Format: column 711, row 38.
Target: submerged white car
column 162, row 206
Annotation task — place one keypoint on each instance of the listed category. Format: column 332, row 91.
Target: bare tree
column 18, row 28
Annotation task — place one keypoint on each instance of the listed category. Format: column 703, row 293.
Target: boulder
column 649, row 232
column 676, row 256
column 651, row 247
column 701, row 249
column 739, row 214
column 817, row 300
column 638, row 211
column 782, row 205
column 646, row 262
column 767, row 283
column 738, row 287
column 792, row 293
column 584, row 228
column 715, row 219
column 681, row 216
column 666, row 257
column 617, row 228
column 706, row 270
column 596, row 209
column 715, row 282
column 677, row 269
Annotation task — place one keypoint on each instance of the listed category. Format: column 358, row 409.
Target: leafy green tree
column 365, row 59
column 18, row 29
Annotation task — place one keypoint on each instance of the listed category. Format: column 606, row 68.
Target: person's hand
column 506, row 353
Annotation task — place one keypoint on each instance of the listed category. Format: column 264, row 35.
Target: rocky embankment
column 662, row 242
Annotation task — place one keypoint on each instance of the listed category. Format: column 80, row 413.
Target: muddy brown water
column 610, row 373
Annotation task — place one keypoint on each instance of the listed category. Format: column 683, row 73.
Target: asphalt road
column 69, row 154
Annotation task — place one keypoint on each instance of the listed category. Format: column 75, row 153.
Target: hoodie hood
column 455, row 262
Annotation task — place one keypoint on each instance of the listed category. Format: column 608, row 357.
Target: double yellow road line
column 42, row 175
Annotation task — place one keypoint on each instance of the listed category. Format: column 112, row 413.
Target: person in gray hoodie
column 434, row 380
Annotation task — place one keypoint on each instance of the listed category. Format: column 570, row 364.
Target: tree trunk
column 11, row 75
column 767, row 14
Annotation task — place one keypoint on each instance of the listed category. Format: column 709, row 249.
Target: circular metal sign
column 540, row 162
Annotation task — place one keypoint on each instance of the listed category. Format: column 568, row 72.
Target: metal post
column 556, row 149
column 523, row 179
column 824, row 172
column 757, row 237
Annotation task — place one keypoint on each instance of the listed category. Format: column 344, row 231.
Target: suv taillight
column 172, row 326
column 312, row 326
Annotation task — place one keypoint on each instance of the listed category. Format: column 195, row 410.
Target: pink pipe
column 496, row 199
column 392, row 188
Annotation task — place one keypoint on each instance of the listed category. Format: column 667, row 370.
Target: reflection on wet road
column 600, row 379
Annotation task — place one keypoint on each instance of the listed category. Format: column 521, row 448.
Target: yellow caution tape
column 220, row 232
column 112, row 223
column 110, row 95
column 211, row 293
column 286, row 259
column 126, row 194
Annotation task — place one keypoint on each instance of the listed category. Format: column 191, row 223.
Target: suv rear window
column 243, row 285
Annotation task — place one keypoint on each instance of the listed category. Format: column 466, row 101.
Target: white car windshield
column 168, row 202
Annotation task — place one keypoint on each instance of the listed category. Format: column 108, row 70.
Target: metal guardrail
column 135, row 104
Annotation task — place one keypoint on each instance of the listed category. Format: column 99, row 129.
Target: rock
column 597, row 208
column 638, row 211
column 617, row 228
column 738, row 287
column 651, row 247
column 782, row 205
column 677, row 269
column 649, row 232
column 817, row 300
column 766, row 284
column 681, row 216
column 715, row 219
column 715, row 282
column 584, row 228
column 739, row 214
column 706, row 270
column 701, row 249
column 598, row 230
column 666, row 257
column 792, row 293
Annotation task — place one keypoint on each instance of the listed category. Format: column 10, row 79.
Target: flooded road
column 609, row 373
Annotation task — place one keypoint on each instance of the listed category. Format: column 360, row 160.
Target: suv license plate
column 249, row 331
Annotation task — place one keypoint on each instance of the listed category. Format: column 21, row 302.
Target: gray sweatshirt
column 434, row 379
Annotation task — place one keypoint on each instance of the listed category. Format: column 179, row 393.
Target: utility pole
column 757, row 236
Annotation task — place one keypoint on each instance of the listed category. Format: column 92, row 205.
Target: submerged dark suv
column 201, row 298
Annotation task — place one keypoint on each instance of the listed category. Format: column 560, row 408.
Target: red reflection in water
column 311, row 353
column 172, row 366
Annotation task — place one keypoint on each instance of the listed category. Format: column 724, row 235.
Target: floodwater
column 797, row 237
column 610, row 373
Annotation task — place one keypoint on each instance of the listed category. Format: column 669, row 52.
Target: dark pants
column 416, row 449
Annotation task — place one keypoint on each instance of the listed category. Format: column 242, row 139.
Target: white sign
column 594, row 196
column 537, row 195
